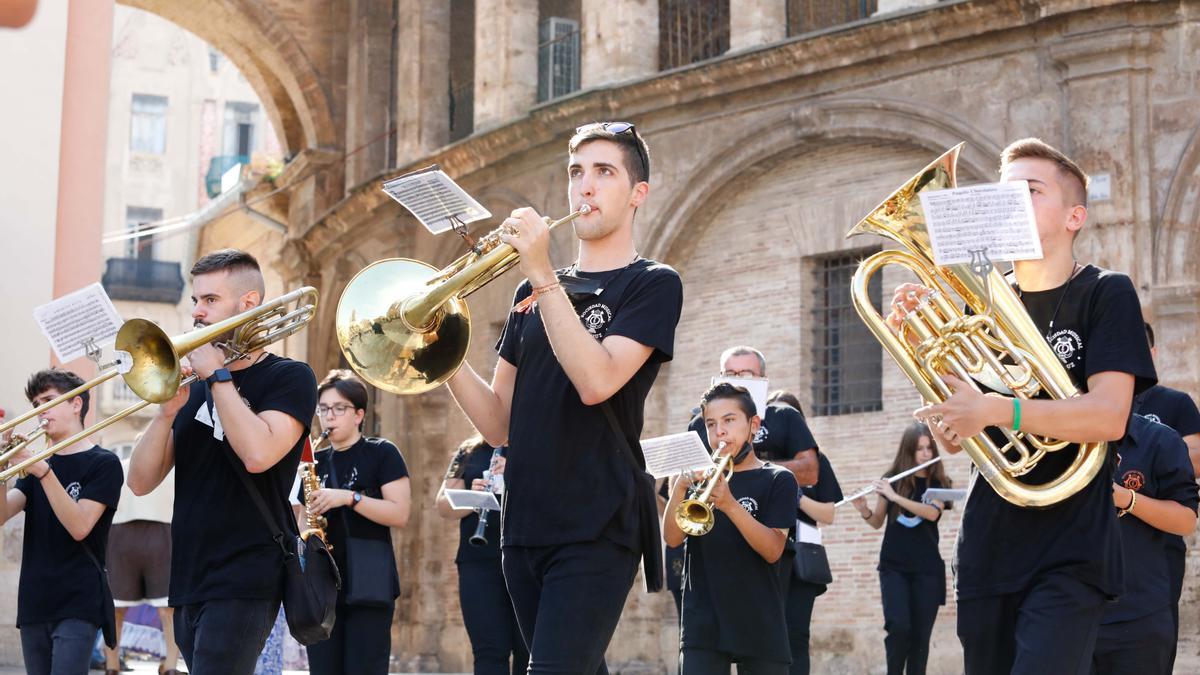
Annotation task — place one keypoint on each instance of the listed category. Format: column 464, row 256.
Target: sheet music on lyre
column 996, row 218
column 435, row 199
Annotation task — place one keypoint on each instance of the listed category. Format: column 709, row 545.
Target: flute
column 871, row 488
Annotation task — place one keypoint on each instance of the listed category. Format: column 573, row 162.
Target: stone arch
column 1175, row 242
column 268, row 54
column 815, row 124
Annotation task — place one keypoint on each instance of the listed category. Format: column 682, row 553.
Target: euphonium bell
column 695, row 516
column 998, row 344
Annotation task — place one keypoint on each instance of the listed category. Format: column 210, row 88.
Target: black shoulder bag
column 311, row 579
column 646, row 500
column 370, row 564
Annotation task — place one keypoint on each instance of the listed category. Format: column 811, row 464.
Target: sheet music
column 70, row 321
column 435, row 199
column 673, row 454
column 472, row 499
column 996, row 217
column 757, row 386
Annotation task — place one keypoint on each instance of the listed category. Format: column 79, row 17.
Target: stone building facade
column 763, row 157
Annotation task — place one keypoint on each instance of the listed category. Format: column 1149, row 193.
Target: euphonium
column 998, row 344
column 310, row 482
column 695, row 515
column 404, row 326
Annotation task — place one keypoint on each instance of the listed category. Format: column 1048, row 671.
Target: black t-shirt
column 783, row 433
column 1154, row 463
column 478, row 461
column 566, row 477
column 1177, row 410
column 733, row 600
column 1094, row 324
column 364, row 467
column 827, row 489
column 220, row 547
column 910, row 542
column 58, row 579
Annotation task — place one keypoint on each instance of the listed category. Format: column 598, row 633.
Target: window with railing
column 847, row 370
column 558, row 57
column 138, row 218
column 690, row 31
column 805, row 16
column 148, row 124
column 143, row 280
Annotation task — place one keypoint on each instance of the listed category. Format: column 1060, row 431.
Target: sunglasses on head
column 617, row 129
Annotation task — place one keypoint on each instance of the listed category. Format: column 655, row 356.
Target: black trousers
column 489, row 618
column 224, row 637
column 1176, row 565
column 1145, row 646
column 568, row 600
column 707, row 662
column 910, row 607
column 801, row 596
column 1050, row 627
column 360, row 644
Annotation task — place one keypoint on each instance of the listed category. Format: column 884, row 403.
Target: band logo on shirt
column 750, row 504
column 1133, row 480
column 1066, row 343
column 596, row 318
column 1153, row 418
column 73, row 490
column 760, row 435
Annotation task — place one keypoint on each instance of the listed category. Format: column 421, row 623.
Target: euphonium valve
column 695, row 516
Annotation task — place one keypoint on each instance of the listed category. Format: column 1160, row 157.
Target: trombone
column 404, row 326
column 695, row 515
column 154, row 374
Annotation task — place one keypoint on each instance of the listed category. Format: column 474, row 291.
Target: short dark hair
column 61, row 381
column 633, row 147
column 348, row 385
column 230, row 260
column 1075, row 187
column 1150, row 333
column 728, row 391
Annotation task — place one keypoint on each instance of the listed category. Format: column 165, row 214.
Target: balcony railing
column 217, row 168
column 143, row 280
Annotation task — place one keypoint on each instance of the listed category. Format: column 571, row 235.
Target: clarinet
column 480, row 536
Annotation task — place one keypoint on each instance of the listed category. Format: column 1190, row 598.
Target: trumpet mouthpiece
column 721, row 445
column 585, row 209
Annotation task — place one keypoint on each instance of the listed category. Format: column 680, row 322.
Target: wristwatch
column 219, row 375
column 355, row 500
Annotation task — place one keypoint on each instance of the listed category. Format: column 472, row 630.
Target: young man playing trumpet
column 1032, row 583
column 226, row 570
column 578, row 355
column 734, row 591
column 69, row 500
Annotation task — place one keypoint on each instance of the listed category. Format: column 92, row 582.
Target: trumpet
column 18, row 443
column 695, row 515
column 154, row 374
column 310, row 483
column 403, row 325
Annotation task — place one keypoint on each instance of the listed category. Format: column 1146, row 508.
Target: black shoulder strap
column 239, row 469
column 636, row 459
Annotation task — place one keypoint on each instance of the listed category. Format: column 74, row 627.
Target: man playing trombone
column 578, row 355
column 69, row 500
column 249, row 417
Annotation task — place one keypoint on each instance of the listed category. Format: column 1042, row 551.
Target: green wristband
column 1016, row 414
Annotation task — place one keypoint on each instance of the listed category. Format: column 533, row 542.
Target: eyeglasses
column 616, row 129
column 338, row 409
column 738, row 373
